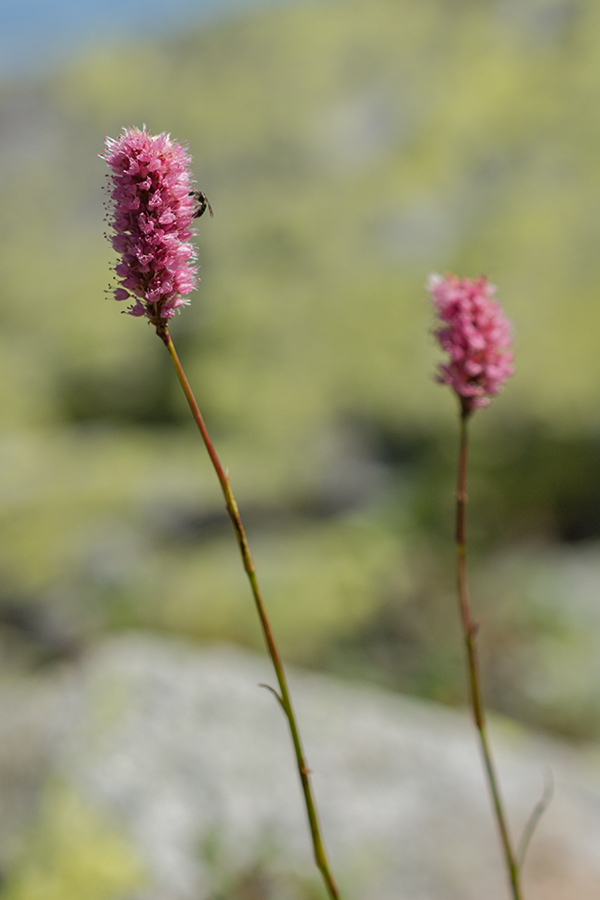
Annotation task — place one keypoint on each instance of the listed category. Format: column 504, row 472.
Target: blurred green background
column 348, row 149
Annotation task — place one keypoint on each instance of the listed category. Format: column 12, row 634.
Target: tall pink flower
column 152, row 222
column 476, row 335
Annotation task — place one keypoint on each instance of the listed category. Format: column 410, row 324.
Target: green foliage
column 348, row 148
column 74, row 853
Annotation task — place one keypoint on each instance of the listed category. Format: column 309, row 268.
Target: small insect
column 203, row 204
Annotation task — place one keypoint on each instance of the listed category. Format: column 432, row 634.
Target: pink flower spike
column 476, row 335
column 153, row 212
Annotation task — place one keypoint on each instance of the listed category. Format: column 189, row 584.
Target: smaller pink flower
column 476, row 335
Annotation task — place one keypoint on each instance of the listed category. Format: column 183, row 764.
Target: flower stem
column 283, row 696
column 469, row 628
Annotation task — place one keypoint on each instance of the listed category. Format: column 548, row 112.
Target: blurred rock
column 189, row 762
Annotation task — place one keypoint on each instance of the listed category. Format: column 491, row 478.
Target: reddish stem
column 284, row 697
column 469, row 629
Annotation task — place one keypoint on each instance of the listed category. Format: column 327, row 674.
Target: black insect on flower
column 203, row 204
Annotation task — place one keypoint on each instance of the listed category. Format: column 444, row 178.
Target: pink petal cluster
column 476, row 335
column 152, row 222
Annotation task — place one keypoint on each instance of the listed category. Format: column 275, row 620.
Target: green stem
column 284, row 697
column 469, row 628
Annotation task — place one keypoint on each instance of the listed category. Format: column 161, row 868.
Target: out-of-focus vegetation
column 348, row 149
column 73, row 850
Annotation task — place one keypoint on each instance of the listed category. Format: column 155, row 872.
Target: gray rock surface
column 180, row 747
